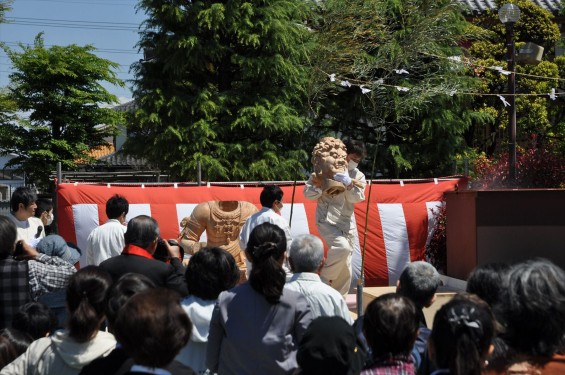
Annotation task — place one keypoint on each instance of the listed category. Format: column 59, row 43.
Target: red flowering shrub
column 535, row 168
column 436, row 249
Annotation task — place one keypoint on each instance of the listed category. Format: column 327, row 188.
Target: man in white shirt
column 306, row 260
column 23, row 206
column 271, row 200
column 107, row 240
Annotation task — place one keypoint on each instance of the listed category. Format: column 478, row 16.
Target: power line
column 103, row 3
column 106, row 50
column 73, row 26
column 28, row 19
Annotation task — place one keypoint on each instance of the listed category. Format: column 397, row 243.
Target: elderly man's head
column 142, row 231
column 306, row 253
column 419, row 282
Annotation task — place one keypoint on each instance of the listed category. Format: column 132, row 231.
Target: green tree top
column 225, row 88
column 60, row 89
column 400, row 50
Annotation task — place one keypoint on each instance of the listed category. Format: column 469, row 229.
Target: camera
column 161, row 253
column 19, row 251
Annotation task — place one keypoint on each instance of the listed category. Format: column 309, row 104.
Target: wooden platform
column 445, row 293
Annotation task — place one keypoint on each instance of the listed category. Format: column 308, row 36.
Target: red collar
column 136, row 250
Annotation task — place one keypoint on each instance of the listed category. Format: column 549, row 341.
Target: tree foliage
column 225, row 88
column 59, row 90
column 399, row 49
column 535, row 168
column 539, row 118
column 5, row 6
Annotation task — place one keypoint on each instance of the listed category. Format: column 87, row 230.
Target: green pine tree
column 224, row 87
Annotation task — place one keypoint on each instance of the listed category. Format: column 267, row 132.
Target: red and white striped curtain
column 400, row 221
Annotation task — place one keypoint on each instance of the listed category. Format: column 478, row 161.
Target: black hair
column 115, row 206
column 462, row 333
column 390, row 325
column 265, row 248
column 86, row 295
column 7, row 352
column 533, row 306
column 270, row 194
column 488, row 282
column 23, row 195
column 355, row 147
column 43, row 205
column 35, row 319
column 8, row 236
column 19, row 339
column 211, row 271
column 127, row 285
column 142, row 231
column 152, row 327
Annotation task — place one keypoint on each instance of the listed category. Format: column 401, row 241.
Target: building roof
column 126, row 107
column 479, row 6
column 118, row 159
column 101, row 151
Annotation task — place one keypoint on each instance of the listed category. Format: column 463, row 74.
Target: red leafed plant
column 436, row 249
column 535, row 168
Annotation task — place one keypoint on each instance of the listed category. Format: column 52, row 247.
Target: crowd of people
column 129, row 313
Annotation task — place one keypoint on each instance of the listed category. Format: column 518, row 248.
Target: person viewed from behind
column 390, row 325
column 141, row 239
column 419, row 282
column 306, row 259
column 329, row 347
column 209, row 272
column 26, row 280
column 35, row 319
column 533, row 309
column 19, row 339
column 256, row 326
column 107, row 240
column 7, row 352
column 68, row 351
column 118, row 361
column 152, row 327
column 334, row 218
column 23, row 206
column 461, row 338
column 489, row 282
column 12, row 344
column 44, row 212
column 56, row 246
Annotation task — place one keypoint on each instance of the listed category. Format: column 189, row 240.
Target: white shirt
column 105, row 242
column 323, row 299
column 27, row 229
column 266, row 215
column 199, row 311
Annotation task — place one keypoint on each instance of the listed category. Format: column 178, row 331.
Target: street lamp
column 509, row 14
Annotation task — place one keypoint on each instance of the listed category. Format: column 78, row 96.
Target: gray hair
column 142, row 231
column 419, row 282
column 306, row 252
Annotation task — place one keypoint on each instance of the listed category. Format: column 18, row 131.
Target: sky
column 111, row 26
